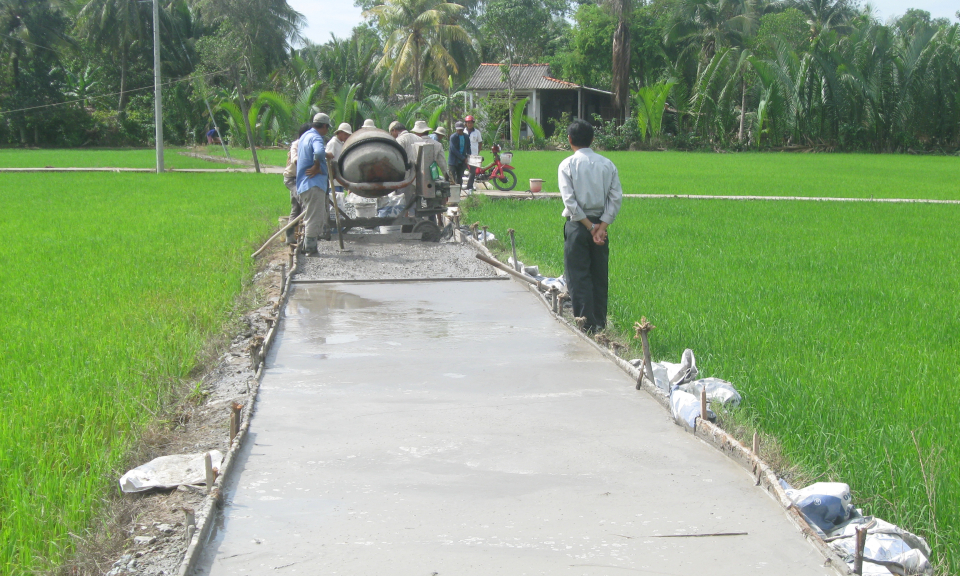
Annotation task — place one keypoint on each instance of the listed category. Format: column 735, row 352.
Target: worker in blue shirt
column 312, row 182
column 459, row 149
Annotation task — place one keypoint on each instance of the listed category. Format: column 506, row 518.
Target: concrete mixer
column 373, row 164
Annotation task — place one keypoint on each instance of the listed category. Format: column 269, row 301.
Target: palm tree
column 28, row 26
column 115, row 26
column 621, row 9
column 418, row 35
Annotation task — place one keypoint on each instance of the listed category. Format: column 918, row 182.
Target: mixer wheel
column 429, row 230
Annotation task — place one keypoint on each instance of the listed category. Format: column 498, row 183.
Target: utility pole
column 158, row 101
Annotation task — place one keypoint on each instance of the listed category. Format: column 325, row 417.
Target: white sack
column 169, row 472
column 685, row 407
column 719, row 391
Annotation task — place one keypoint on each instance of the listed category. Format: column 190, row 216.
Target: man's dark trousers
column 586, row 265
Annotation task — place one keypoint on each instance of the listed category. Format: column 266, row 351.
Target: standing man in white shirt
column 476, row 145
column 591, row 193
column 334, row 148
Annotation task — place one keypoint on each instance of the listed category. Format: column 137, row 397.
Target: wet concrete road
column 457, row 429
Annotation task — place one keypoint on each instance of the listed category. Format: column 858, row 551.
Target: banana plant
column 650, row 102
column 519, row 119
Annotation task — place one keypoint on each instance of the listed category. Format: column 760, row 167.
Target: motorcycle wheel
column 508, row 182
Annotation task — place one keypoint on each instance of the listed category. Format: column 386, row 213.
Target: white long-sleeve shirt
column 589, row 186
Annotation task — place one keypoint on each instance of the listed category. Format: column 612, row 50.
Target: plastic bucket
column 506, row 158
column 536, row 184
column 366, row 209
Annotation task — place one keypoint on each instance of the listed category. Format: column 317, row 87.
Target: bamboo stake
column 858, row 556
column 756, row 442
column 641, row 329
column 235, row 420
column 208, row 468
column 703, row 404
column 513, row 245
column 485, row 235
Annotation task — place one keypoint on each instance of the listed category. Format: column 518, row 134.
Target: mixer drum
column 369, row 156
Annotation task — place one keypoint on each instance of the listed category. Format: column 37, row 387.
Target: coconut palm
column 621, row 10
column 29, row 26
column 115, row 26
column 418, row 33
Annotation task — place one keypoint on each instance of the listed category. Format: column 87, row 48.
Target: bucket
column 454, row 195
column 475, row 161
column 390, row 229
column 506, row 158
column 536, row 185
column 366, row 209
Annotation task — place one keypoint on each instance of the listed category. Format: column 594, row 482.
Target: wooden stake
column 235, row 420
column 485, row 235
column 858, row 555
column 641, row 329
column 756, row 442
column 190, row 521
column 208, row 467
column 703, row 403
column 513, row 245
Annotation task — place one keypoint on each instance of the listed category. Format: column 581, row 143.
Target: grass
column 268, row 156
column 105, row 158
column 110, row 286
column 766, row 174
column 837, row 322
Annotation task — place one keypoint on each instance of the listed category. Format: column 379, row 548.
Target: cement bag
column 169, row 472
column 719, row 391
column 685, row 407
column 667, row 374
column 825, row 505
column 900, row 552
column 390, row 211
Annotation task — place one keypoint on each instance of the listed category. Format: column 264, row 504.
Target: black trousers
column 457, row 171
column 586, row 267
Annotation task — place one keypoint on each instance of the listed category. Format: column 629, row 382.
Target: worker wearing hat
column 407, row 140
column 312, row 182
column 459, row 149
column 476, row 145
column 440, row 135
column 334, row 148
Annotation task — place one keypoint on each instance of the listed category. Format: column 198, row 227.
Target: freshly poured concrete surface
column 456, row 428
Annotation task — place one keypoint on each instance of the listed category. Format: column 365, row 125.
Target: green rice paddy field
column 105, row 158
column 110, row 284
column 838, row 322
column 766, row 174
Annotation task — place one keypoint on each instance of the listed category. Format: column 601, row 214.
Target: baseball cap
column 460, row 126
column 321, row 118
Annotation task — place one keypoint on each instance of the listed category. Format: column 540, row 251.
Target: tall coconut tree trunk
column 743, row 106
column 121, row 108
column 246, row 119
column 621, row 69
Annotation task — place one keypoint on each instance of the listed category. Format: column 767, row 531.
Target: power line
column 99, row 96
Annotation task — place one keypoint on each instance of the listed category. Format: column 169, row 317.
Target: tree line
column 731, row 74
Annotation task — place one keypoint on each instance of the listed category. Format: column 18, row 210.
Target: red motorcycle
column 500, row 172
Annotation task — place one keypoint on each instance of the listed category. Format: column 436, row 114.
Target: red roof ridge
column 561, row 81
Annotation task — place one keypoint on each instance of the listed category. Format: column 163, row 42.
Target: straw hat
column 344, row 128
column 420, row 127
